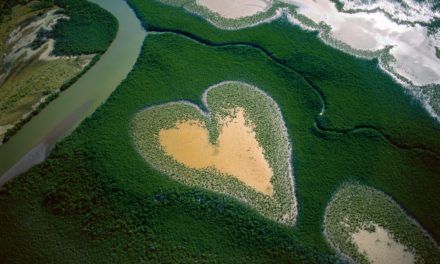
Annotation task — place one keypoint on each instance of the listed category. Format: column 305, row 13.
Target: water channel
column 32, row 144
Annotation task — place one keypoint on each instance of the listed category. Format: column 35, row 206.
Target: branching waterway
column 34, row 141
column 334, row 130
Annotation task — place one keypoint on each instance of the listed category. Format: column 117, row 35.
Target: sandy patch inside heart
column 237, row 152
column 236, row 144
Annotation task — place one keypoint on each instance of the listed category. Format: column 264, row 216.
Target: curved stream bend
column 317, row 123
column 34, row 141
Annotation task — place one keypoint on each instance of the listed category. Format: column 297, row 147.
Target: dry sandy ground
column 237, row 152
column 234, row 9
column 380, row 248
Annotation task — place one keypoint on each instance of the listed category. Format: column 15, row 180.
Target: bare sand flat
column 237, row 152
column 379, row 247
column 234, row 9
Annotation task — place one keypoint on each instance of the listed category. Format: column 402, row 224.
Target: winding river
column 32, row 144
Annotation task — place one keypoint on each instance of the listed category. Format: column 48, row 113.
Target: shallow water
column 92, row 89
column 412, row 48
column 237, row 152
column 403, row 10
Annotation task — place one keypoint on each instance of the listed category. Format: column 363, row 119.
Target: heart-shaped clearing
column 240, row 147
column 237, row 152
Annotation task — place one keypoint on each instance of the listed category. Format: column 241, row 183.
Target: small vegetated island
column 311, row 156
column 46, row 45
column 238, row 147
column 369, row 227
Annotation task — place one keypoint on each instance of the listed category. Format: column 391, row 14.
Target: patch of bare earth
column 237, row 152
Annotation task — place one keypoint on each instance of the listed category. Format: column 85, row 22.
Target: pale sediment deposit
column 21, row 39
column 237, row 152
column 380, row 248
column 234, row 9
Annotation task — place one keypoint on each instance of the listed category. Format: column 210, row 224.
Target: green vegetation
column 434, row 26
column 10, row 18
column 23, row 89
column 90, row 29
column 354, row 207
column 34, row 83
column 105, row 190
column 6, row 7
column 227, row 23
column 98, row 187
column 270, row 133
column 350, row 87
column 360, row 102
column 49, row 94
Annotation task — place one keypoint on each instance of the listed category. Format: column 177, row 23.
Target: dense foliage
column 347, row 121
column 89, row 30
column 357, row 97
column 355, row 207
column 7, row 5
column 271, row 135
